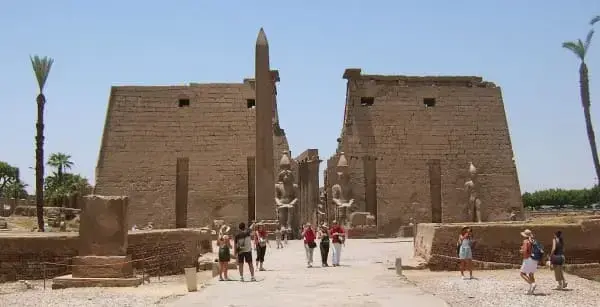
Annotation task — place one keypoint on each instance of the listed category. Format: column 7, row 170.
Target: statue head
column 472, row 169
column 342, row 168
column 285, row 169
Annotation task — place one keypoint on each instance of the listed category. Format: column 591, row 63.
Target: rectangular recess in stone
column 250, row 103
column 251, row 188
column 429, row 102
column 184, row 102
column 367, row 101
column 181, row 191
column 435, row 190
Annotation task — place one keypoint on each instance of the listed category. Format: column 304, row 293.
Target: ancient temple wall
column 148, row 127
column 410, row 123
column 308, row 182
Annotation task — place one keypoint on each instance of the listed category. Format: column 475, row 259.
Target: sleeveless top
column 325, row 237
column 465, row 243
column 224, row 252
column 559, row 248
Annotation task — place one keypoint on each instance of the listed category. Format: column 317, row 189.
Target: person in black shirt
column 243, row 251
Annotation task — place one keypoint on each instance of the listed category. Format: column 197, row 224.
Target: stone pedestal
column 103, row 266
column 103, row 259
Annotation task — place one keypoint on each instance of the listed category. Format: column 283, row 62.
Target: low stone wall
column 168, row 251
column 529, row 214
column 500, row 242
column 589, row 271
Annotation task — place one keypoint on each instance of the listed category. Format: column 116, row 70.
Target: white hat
column 527, row 233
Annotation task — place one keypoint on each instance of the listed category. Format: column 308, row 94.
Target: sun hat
column 527, row 233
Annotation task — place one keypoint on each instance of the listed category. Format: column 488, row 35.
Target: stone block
column 68, row 281
column 102, row 267
column 103, row 226
column 399, row 266
column 358, row 218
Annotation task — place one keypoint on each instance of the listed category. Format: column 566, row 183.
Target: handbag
column 312, row 244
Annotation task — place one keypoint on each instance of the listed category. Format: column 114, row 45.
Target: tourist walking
column 260, row 241
column 224, row 257
column 338, row 238
column 324, row 244
column 531, row 252
column 465, row 252
column 243, row 250
column 557, row 259
column 309, row 243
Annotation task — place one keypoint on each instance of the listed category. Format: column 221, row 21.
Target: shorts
column 244, row 257
column 529, row 266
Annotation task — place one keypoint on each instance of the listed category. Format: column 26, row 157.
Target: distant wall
column 22, row 254
column 500, row 242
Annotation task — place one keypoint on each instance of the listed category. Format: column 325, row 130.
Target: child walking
column 278, row 238
column 224, row 257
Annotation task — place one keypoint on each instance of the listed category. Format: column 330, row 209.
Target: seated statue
column 285, row 193
column 342, row 191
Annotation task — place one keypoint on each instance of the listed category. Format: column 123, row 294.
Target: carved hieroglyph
column 286, row 192
column 342, row 191
column 472, row 189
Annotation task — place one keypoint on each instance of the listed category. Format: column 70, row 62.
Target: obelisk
column 265, row 176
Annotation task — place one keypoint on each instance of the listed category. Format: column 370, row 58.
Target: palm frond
column 576, row 47
column 41, row 68
column 595, row 20
column 588, row 40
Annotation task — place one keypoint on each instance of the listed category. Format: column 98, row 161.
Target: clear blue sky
column 96, row 44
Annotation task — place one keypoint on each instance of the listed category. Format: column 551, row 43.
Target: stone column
column 265, row 176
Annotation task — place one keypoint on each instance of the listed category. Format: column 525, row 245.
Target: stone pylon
column 265, row 173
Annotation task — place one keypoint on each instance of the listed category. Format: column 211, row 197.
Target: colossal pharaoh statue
column 285, row 193
column 472, row 187
column 342, row 191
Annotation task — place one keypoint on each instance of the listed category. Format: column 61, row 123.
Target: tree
column 595, row 20
column 61, row 162
column 8, row 175
column 60, row 191
column 580, row 49
column 41, row 68
column 16, row 190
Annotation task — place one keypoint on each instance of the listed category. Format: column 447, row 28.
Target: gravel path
column 506, row 288
column 154, row 294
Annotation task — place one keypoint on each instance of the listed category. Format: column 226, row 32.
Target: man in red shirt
column 338, row 237
column 309, row 243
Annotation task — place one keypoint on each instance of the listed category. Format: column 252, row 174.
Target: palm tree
column 41, row 68
column 580, row 49
column 61, row 162
column 595, row 20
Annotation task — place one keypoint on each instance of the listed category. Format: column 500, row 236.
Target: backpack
column 537, row 250
column 241, row 240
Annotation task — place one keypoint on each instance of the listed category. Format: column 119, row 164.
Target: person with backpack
column 532, row 252
column 243, row 250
